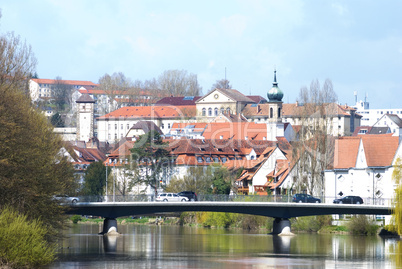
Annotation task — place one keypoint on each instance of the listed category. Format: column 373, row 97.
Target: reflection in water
column 281, row 244
column 185, row 247
column 110, row 243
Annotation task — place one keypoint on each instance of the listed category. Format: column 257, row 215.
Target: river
column 146, row 246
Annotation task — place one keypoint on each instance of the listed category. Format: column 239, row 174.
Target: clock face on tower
column 216, row 96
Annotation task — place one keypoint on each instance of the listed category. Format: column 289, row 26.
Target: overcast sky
column 355, row 43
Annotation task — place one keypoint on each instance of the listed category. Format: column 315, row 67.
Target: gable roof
column 147, row 126
column 396, row 119
column 231, row 93
column 331, row 109
column 379, row 150
column 85, row 98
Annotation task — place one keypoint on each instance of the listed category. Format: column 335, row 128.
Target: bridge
column 281, row 211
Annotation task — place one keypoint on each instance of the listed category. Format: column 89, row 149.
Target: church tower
column 275, row 96
column 85, row 117
column 275, row 127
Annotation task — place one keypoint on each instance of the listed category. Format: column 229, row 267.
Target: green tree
column 396, row 221
column 95, row 179
column 56, row 120
column 32, row 170
column 151, row 156
column 23, row 242
column 221, row 181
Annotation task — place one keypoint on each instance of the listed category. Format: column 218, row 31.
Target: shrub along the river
column 362, row 225
column 22, row 241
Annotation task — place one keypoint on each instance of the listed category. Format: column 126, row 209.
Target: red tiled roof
column 379, row 150
column 67, row 82
column 147, row 112
column 236, row 130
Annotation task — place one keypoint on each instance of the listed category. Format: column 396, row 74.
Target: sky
column 357, row 44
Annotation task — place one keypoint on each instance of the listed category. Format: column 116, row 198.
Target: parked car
column 349, row 200
column 305, row 198
column 170, row 197
column 65, row 199
column 192, row 196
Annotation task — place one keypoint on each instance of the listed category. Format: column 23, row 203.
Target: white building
column 363, row 166
column 371, row 116
column 43, row 88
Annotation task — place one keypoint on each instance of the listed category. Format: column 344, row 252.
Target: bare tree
column 17, row 63
column 315, row 147
column 116, row 87
column 61, row 94
column 221, row 84
column 179, row 83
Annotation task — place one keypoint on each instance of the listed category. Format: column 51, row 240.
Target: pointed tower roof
column 85, row 98
column 275, row 94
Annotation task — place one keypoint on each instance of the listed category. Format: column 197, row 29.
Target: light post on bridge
column 106, row 181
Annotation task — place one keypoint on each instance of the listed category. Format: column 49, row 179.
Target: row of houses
column 227, row 128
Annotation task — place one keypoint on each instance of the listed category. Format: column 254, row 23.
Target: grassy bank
column 313, row 224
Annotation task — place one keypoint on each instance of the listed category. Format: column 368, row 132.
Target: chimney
column 297, row 103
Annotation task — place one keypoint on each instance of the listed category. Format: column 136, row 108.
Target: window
column 163, row 126
column 222, row 110
column 271, row 112
column 115, row 136
column 121, row 126
column 223, row 159
column 228, row 110
column 199, row 159
column 108, row 126
column 115, row 126
column 216, row 111
column 208, row 159
column 209, row 111
column 168, row 125
column 108, row 136
column 128, row 126
column 204, row 112
column 279, row 111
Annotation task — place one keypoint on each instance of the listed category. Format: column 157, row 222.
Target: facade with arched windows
column 221, row 101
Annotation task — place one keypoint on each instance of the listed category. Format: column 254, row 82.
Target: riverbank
column 313, row 224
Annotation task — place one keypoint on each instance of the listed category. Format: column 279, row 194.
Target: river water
column 146, row 246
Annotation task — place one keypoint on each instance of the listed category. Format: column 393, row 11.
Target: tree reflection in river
column 188, row 247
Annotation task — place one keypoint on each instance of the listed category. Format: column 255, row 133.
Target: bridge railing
column 224, row 198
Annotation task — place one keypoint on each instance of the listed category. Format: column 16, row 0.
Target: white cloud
column 340, row 9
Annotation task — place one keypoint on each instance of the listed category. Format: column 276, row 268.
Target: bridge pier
column 109, row 226
column 281, row 226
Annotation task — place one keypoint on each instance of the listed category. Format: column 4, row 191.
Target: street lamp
column 106, row 180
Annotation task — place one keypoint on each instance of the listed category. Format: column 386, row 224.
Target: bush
column 22, row 242
column 362, row 225
column 306, row 224
column 76, row 218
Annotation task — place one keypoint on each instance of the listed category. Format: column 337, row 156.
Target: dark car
column 192, row 196
column 349, row 200
column 305, row 198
